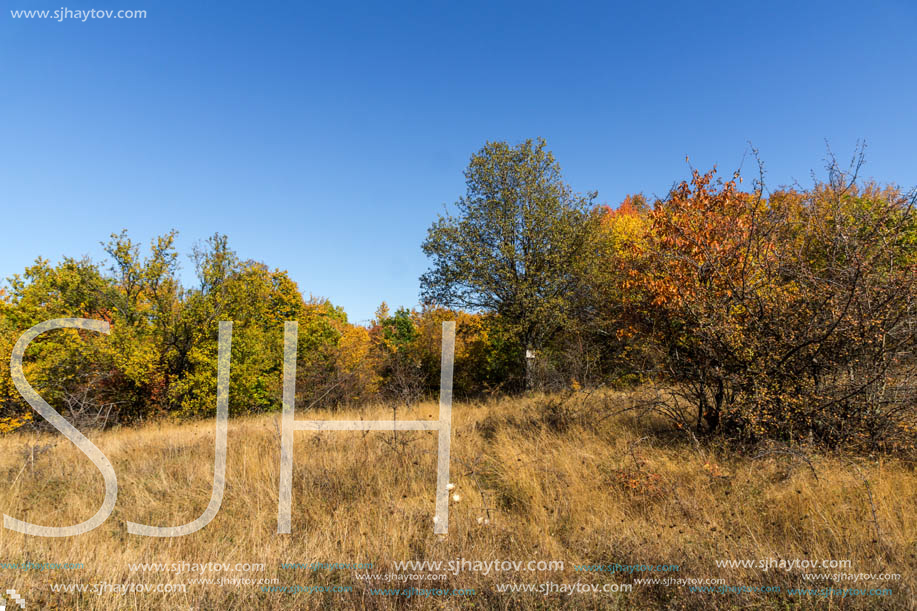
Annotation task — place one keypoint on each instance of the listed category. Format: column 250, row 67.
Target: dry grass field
column 580, row 482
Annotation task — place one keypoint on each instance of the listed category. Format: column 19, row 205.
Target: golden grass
column 597, row 489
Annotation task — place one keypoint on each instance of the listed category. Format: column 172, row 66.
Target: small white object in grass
column 456, row 498
column 450, row 486
column 435, row 519
column 486, row 521
column 480, row 520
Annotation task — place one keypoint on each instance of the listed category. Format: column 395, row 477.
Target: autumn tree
column 395, row 352
column 789, row 316
column 514, row 247
column 160, row 357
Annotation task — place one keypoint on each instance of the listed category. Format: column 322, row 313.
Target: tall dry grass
column 539, row 478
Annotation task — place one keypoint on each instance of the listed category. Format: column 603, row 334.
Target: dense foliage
column 790, row 316
column 160, row 357
column 787, row 314
column 516, row 246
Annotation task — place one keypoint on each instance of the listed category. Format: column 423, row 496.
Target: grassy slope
column 603, row 489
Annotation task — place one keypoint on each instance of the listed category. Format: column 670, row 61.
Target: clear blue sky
column 325, row 139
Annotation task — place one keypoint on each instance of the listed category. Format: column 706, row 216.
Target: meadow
column 580, row 477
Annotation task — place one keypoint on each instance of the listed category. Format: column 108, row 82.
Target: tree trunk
column 529, row 357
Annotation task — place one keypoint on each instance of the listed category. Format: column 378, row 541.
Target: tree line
column 750, row 313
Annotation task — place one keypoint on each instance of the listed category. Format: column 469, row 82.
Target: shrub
column 790, row 317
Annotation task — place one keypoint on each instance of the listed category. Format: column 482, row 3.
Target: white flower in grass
column 456, row 498
column 480, row 520
column 450, row 486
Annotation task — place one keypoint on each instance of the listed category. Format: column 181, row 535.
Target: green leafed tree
column 516, row 246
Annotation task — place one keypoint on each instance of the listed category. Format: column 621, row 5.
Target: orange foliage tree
column 787, row 316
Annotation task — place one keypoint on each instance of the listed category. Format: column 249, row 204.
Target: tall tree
column 515, row 246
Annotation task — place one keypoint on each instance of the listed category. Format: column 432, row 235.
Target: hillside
column 576, row 479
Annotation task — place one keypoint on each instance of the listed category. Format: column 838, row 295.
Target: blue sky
column 325, row 138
